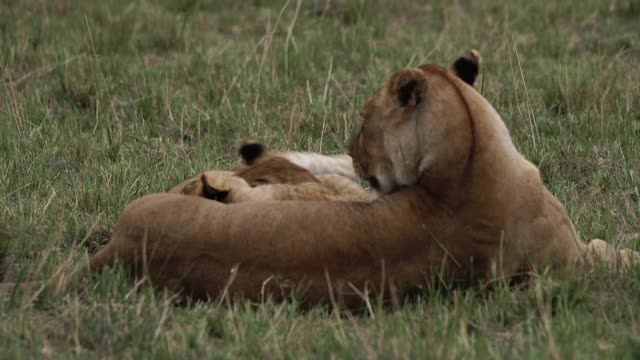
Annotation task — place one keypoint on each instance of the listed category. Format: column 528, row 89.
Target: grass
column 103, row 102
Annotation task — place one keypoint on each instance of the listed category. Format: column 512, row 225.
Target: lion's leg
column 345, row 188
column 30, row 287
column 283, row 192
column 319, row 164
column 66, row 276
column 59, row 283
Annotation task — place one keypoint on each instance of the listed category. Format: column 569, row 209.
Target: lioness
column 271, row 176
column 289, row 174
column 457, row 200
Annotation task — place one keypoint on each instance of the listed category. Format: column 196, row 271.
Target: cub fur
column 270, row 176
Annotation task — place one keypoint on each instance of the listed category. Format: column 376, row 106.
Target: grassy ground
column 105, row 101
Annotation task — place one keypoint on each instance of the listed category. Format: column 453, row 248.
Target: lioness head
column 418, row 124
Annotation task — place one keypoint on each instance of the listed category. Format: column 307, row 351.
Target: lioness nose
column 373, row 181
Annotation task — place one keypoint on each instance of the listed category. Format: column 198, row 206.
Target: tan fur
column 458, row 199
column 271, row 177
column 326, row 187
column 441, row 137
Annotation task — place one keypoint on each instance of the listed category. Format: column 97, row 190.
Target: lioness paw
column 467, row 67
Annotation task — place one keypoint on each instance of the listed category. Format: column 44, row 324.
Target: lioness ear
column 250, row 151
column 209, row 192
column 467, row 67
column 407, row 86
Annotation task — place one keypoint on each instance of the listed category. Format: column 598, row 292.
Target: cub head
column 214, row 185
column 264, row 167
column 218, row 185
column 261, row 168
column 417, row 125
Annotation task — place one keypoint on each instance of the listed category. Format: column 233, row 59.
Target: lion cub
column 269, row 176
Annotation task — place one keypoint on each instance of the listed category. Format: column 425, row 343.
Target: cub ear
column 407, row 86
column 193, row 188
column 250, row 151
column 467, row 67
column 211, row 193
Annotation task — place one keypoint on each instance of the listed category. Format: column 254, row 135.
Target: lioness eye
column 261, row 181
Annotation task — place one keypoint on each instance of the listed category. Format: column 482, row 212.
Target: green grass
column 102, row 102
